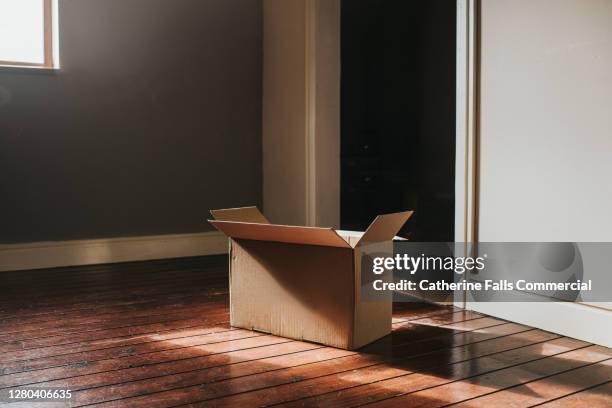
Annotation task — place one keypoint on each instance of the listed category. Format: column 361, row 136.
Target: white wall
column 546, row 120
column 284, row 108
column 546, row 139
column 301, row 112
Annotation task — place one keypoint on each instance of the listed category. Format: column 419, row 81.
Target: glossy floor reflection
column 156, row 334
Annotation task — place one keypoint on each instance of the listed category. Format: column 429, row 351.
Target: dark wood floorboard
column 156, row 334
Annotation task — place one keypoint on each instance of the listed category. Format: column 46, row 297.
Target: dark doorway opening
column 398, row 114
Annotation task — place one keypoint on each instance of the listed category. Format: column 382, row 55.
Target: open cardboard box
column 304, row 282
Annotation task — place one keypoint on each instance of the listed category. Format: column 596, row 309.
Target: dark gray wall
column 154, row 118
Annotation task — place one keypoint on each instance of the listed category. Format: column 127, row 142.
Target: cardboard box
column 304, row 282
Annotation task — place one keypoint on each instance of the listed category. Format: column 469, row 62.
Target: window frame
column 48, row 32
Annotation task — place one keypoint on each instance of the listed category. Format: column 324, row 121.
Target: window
column 28, row 37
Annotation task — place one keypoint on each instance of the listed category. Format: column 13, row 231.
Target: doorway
column 398, row 107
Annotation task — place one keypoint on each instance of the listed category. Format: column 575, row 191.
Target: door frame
column 467, row 128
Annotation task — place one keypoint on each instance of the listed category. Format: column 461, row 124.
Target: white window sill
column 28, row 69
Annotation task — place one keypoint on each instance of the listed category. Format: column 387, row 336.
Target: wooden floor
column 156, row 334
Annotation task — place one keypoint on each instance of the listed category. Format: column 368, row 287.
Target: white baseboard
column 577, row 320
column 37, row 255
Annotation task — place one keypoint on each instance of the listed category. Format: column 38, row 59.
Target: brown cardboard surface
column 304, row 282
column 297, row 291
column 281, row 233
column 372, row 318
column 385, row 227
column 242, row 214
column 352, row 237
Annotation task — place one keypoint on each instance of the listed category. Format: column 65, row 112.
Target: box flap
column 353, row 237
column 281, row 233
column 385, row 227
column 243, row 214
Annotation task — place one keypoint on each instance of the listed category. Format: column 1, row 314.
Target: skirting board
column 580, row 321
column 14, row 257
